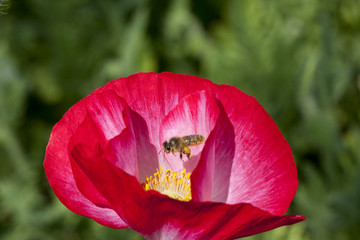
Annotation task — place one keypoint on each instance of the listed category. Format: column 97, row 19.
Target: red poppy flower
column 105, row 160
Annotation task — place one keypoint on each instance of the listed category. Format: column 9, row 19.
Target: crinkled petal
column 159, row 217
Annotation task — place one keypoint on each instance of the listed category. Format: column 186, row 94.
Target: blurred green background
column 300, row 59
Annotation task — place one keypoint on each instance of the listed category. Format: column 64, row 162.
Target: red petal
column 210, row 180
column 264, row 171
column 108, row 113
column 196, row 113
column 153, row 95
column 100, row 125
column 87, row 132
column 111, row 115
column 158, row 217
column 59, row 173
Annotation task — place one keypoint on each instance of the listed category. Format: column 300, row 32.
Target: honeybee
column 181, row 144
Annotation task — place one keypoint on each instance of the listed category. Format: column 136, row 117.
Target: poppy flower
column 106, row 159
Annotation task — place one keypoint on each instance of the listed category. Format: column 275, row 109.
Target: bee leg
column 181, row 152
column 187, row 151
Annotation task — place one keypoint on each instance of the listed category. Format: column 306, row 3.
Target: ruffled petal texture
column 243, row 176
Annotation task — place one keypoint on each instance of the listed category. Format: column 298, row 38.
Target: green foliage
column 300, row 59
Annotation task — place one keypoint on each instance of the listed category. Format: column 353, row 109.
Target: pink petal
column 108, row 117
column 264, row 171
column 211, row 179
column 94, row 120
column 196, row 113
column 59, row 173
column 153, row 95
column 107, row 111
column 122, row 153
column 125, row 142
column 111, row 115
column 146, row 152
column 159, row 217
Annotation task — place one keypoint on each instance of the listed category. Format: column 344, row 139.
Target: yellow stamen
column 173, row 184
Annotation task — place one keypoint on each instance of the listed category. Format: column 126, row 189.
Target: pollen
column 173, row 184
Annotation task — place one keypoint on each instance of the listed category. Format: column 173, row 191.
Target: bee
column 181, row 144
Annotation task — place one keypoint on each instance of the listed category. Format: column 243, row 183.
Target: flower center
column 173, row 184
